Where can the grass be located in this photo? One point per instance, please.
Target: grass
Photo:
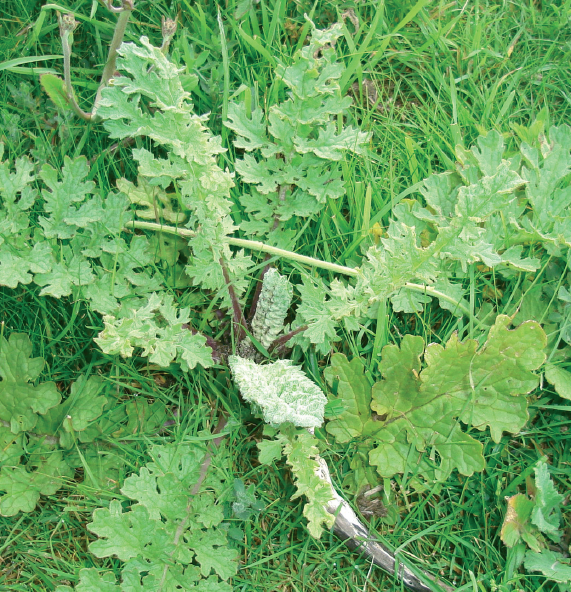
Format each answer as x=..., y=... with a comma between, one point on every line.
x=425, y=76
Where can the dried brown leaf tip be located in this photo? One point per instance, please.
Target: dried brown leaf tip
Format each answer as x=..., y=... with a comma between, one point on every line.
x=350, y=15
x=368, y=93
x=293, y=30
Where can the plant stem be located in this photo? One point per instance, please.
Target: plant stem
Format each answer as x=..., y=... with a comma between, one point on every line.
x=258, y=291
x=437, y=294
x=67, y=24
x=238, y=314
x=258, y=246
x=281, y=341
x=168, y=27
x=253, y=245
x=118, y=34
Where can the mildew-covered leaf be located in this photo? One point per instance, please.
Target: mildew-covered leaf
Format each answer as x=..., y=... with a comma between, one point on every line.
x=280, y=390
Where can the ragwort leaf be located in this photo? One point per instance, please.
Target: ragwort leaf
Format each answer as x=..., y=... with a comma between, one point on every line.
x=128, y=534
x=421, y=412
x=212, y=554
x=270, y=450
x=84, y=403
x=481, y=388
x=61, y=195
x=354, y=393
x=22, y=488
x=252, y=131
x=21, y=401
x=157, y=328
x=552, y=565
x=173, y=525
x=83, y=406
x=321, y=328
x=60, y=280
x=90, y=580
x=546, y=514
x=560, y=379
x=281, y=390
x=330, y=145
x=11, y=448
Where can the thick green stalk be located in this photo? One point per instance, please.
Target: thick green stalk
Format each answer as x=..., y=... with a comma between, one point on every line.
x=67, y=24
x=258, y=246
x=252, y=245
x=118, y=34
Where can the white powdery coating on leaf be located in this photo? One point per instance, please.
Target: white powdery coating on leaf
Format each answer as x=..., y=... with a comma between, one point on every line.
x=273, y=304
x=281, y=390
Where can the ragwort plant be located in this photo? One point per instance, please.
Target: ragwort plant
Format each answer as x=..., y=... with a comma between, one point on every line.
x=488, y=211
